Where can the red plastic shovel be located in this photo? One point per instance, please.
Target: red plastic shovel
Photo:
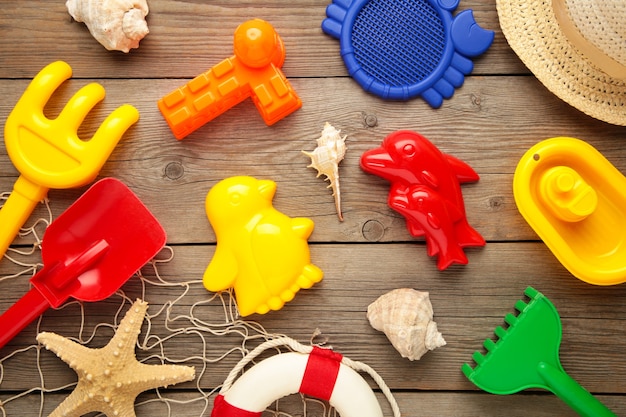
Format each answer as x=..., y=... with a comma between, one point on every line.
x=88, y=252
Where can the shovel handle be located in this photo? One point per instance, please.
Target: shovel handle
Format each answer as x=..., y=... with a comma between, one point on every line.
x=17, y=209
x=21, y=314
x=570, y=391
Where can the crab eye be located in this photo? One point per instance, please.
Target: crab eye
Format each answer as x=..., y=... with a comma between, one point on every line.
x=409, y=150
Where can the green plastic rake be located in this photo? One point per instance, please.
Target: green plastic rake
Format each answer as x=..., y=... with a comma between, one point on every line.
x=527, y=356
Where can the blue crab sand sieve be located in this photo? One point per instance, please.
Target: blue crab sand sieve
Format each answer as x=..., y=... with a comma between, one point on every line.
x=398, y=42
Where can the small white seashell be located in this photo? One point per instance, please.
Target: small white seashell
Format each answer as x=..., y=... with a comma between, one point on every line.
x=331, y=149
x=405, y=316
x=117, y=24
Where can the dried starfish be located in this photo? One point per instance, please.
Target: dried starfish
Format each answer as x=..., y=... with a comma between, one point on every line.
x=331, y=149
x=110, y=378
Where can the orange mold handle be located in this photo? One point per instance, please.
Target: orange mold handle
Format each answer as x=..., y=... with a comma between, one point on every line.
x=575, y=200
x=254, y=71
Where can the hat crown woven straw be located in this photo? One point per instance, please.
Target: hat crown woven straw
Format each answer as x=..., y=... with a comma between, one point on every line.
x=575, y=48
x=597, y=28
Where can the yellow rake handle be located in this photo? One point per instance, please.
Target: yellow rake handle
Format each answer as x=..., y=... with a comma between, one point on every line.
x=48, y=152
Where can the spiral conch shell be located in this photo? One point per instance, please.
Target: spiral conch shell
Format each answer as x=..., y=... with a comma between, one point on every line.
x=331, y=149
x=405, y=316
x=117, y=24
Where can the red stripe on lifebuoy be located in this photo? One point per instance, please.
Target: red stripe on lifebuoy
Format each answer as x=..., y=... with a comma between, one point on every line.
x=320, y=374
x=222, y=408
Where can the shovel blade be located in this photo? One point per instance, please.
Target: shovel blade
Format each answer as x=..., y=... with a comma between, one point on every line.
x=98, y=243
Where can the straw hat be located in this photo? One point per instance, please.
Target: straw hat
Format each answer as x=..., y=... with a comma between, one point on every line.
x=576, y=48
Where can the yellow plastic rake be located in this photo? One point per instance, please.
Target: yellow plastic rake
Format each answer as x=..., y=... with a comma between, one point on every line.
x=48, y=152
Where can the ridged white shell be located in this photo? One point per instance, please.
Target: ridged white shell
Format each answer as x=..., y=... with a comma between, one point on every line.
x=405, y=316
x=331, y=149
x=117, y=24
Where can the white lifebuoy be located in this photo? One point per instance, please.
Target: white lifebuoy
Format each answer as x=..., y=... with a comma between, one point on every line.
x=319, y=373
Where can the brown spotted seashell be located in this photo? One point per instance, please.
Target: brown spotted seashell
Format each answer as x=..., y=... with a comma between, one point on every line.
x=405, y=316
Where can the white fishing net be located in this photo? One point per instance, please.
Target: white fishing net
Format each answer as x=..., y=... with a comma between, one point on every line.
x=175, y=323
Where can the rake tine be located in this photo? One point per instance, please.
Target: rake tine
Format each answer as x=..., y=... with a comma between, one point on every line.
x=112, y=129
x=77, y=108
x=44, y=85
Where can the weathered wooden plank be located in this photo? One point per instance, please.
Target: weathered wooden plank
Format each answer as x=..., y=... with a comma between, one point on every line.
x=443, y=404
x=469, y=302
x=490, y=122
x=172, y=177
x=180, y=208
x=188, y=37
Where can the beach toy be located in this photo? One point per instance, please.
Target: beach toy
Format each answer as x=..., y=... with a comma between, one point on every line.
x=88, y=253
x=401, y=49
x=527, y=356
x=261, y=253
x=425, y=189
x=47, y=152
x=254, y=71
x=575, y=200
x=310, y=370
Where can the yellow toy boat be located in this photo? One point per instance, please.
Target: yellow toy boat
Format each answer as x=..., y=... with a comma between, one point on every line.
x=575, y=200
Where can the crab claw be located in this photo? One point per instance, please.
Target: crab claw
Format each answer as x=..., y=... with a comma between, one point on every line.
x=468, y=37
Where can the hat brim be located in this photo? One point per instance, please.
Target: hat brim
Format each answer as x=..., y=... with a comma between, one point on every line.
x=531, y=29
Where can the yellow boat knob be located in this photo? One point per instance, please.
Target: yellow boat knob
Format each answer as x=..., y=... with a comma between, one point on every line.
x=567, y=194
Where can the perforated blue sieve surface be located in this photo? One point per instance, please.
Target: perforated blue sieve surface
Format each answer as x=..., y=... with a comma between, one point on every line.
x=400, y=49
x=398, y=43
